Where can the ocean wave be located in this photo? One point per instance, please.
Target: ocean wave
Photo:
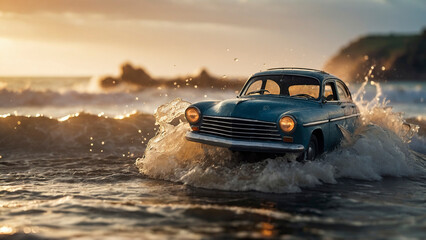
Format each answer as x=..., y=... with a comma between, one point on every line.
x=28, y=97
x=378, y=148
x=409, y=93
x=148, y=99
x=81, y=133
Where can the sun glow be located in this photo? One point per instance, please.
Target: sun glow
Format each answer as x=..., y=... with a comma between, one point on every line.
x=120, y=117
x=64, y=118
x=7, y=230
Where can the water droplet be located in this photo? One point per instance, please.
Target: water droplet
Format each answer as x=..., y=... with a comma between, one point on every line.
x=175, y=83
x=205, y=96
x=103, y=143
x=236, y=60
x=195, y=86
x=136, y=98
x=91, y=144
x=383, y=68
x=19, y=123
x=27, y=230
x=91, y=138
x=139, y=131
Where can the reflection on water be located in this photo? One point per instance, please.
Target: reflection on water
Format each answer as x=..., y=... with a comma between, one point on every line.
x=73, y=176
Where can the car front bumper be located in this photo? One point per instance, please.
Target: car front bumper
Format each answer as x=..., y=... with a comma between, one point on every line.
x=243, y=145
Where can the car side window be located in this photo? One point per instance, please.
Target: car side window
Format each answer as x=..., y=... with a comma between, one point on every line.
x=272, y=87
x=329, y=93
x=343, y=94
x=256, y=86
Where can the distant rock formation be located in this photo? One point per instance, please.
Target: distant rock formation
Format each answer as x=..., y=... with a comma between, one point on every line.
x=139, y=78
x=395, y=57
x=129, y=74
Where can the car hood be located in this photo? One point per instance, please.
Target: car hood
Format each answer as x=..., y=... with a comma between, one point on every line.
x=259, y=108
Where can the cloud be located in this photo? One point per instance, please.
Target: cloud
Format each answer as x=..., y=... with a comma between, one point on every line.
x=276, y=32
x=265, y=14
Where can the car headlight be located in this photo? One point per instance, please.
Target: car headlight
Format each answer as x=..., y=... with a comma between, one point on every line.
x=287, y=124
x=192, y=114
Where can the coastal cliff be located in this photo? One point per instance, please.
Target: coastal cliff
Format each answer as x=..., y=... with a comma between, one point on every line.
x=394, y=57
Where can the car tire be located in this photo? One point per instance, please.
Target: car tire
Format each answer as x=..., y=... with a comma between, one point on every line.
x=311, y=152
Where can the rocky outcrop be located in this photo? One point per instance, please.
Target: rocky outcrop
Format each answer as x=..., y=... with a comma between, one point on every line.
x=138, y=78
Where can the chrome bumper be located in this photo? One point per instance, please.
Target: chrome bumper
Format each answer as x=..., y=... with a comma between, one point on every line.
x=242, y=145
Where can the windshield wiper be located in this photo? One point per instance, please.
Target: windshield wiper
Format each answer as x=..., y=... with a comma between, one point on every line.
x=258, y=91
x=303, y=95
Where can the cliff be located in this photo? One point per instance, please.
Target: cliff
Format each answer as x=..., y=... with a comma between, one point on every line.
x=395, y=57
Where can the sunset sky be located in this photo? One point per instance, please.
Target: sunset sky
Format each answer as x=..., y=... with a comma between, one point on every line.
x=169, y=37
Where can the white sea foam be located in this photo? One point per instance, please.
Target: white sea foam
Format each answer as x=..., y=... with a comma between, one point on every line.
x=378, y=148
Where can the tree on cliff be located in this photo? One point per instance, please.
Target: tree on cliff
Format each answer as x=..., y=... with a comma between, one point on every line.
x=399, y=57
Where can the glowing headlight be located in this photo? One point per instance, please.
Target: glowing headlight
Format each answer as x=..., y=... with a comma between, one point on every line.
x=192, y=114
x=287, y=124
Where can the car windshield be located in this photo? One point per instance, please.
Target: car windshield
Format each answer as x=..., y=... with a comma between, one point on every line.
x=287, y=85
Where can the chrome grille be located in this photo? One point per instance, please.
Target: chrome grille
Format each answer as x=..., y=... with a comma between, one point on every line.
x=240, y=128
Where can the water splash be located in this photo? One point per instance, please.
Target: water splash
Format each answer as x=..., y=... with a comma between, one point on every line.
x=378, y=148
x=379, y=113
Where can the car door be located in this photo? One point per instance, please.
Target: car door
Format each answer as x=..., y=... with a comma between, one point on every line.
x=336, y=113
x=348, y=105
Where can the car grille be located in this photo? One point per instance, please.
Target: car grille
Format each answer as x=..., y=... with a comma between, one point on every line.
x=240, y=128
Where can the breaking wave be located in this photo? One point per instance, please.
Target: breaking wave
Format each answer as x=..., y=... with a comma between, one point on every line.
x=78, y=133
x=378, y=148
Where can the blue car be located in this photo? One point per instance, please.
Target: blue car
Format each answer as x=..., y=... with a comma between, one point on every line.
x=281, y=110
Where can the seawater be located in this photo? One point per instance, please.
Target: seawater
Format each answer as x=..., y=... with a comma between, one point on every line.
x=80, y=163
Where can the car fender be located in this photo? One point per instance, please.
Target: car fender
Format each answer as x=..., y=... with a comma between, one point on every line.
x=302, y=134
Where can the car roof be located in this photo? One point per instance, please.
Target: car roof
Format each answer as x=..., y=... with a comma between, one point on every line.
x=308, y=72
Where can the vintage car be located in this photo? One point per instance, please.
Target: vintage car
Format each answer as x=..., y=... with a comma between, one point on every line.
x=280, y=110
